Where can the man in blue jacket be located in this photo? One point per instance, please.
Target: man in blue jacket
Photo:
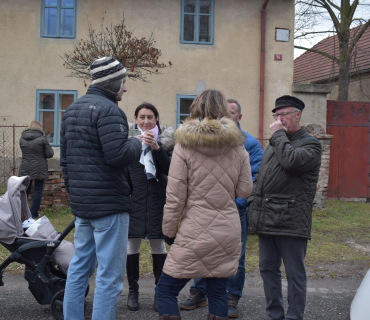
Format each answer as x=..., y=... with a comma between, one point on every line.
x=94, y=155
x=235, y=284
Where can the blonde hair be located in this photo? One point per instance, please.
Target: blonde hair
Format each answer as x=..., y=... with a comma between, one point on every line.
x=210, y=104
x=35, y=125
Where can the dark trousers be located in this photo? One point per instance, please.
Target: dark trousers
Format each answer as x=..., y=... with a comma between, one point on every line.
x=292, y=250
x=168, y=289
x=37, y=194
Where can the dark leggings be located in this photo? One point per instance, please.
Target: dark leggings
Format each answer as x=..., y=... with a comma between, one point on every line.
x=37, y=194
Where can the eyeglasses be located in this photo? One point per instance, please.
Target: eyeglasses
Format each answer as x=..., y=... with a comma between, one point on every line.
x=282, y=115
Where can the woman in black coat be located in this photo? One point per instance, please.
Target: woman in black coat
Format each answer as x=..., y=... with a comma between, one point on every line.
x=35, y=149
x=149, y=181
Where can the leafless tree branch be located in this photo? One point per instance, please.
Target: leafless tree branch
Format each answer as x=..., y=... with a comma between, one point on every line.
x=139, y=56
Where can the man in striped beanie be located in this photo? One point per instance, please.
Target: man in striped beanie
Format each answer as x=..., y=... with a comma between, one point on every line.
x=95, y=153
x=108, y=73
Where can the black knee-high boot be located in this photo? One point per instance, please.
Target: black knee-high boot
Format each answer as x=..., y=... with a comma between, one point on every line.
x=132, y=268
x=158, y=262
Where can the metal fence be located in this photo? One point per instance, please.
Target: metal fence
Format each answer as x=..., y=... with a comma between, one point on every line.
x=10, y=152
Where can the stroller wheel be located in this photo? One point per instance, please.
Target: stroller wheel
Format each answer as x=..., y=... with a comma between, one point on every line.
x=56, y=305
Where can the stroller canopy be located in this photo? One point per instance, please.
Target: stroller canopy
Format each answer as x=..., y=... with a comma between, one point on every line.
x=14, y=209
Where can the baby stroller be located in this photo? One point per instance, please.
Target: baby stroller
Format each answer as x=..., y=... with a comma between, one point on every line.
x=44, y=271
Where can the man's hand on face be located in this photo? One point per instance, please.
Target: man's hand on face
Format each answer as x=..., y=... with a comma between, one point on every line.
x=275, y=126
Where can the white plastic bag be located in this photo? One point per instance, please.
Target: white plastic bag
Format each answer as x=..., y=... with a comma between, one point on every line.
x=42, y=229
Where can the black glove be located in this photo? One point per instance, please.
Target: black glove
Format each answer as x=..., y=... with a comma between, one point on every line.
x=169, y=241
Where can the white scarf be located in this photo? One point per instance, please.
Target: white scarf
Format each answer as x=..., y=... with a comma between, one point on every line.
x=146, y=158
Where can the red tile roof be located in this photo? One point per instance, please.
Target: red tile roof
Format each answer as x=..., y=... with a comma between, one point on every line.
x=313, y=67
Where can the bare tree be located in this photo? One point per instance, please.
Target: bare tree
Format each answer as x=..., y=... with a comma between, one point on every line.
x=139, y=56
x=343, y=16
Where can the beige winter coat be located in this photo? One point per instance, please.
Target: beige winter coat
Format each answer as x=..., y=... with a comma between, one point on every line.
x=209, y=169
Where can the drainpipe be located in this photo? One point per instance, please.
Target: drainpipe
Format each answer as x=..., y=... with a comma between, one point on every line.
x=262, y=71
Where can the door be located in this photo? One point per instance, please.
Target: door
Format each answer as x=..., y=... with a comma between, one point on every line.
x=349, y=168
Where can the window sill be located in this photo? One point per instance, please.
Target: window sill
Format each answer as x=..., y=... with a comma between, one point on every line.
x=198, y=43
x=55, y=37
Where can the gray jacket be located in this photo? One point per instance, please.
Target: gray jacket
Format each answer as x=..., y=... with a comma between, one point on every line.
x=285, y=186
x=35, y=149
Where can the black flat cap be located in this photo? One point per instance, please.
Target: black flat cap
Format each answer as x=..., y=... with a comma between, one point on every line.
x=288, y=101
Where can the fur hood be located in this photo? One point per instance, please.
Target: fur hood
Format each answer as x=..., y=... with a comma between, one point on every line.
x=27, y=129
x=166, y=137
x=30, y=133
x=209, y=134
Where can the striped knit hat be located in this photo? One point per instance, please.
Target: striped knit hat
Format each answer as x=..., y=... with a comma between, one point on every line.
x=106, y=70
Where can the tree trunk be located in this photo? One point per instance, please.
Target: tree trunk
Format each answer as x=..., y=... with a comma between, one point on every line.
x=344, y=79
x=344, y=64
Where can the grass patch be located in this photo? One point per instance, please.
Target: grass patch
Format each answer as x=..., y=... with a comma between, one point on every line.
x=340, y=244
x=2, y=189
x=340, y=239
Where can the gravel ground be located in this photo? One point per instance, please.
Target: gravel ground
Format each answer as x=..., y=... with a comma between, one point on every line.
x=327, y=299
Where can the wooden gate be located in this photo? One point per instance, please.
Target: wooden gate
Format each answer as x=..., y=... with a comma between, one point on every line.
x=349, y=168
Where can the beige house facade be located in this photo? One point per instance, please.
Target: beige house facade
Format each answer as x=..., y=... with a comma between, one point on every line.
x=35, y=33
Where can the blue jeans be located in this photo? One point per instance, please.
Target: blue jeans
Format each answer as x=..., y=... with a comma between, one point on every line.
x=103, y=240
x=235, y=284
x=168, y=289
x=37, y=195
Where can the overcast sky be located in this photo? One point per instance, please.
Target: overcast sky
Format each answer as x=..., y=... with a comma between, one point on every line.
x=362, y=11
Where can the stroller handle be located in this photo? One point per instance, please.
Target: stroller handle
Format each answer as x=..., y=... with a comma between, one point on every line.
x=67, y=230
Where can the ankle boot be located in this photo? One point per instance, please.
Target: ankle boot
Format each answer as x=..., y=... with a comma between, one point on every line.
x=158, y=262
x=132, y=268
x=168, y=317
x=212, y=317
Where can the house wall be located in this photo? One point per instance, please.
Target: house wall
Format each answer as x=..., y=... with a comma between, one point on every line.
x=314, y=97
x=359, y=89
x=29, y=62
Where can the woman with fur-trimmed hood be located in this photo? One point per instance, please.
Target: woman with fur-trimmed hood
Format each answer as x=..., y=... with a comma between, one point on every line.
x=209, y=169
x=35, y=150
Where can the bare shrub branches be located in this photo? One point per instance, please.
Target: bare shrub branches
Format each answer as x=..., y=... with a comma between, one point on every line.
x=139, y=56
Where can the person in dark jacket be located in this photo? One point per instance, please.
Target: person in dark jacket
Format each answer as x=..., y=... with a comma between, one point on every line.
x=235, y=284
x=95, y=153
x=148, y=198
x=280, y=209
x=35, y=150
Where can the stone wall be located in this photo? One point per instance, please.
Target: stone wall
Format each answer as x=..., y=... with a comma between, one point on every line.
x=322, y=185
x=54, y=192
x=314, y=97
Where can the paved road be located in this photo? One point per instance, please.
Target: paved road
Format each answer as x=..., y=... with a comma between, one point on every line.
x=327, y=299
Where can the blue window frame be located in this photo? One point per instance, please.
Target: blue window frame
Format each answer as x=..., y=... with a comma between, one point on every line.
x=58, y=19
x=50, y=107
x=197, y=21
x=183, y=104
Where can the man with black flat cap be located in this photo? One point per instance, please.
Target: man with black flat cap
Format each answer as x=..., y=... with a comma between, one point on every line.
x=280, y=207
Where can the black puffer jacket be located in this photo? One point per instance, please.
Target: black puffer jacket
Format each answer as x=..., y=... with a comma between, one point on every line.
x=35, y=149
x=285, y=186
x=149, y=196
x=95, y=153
